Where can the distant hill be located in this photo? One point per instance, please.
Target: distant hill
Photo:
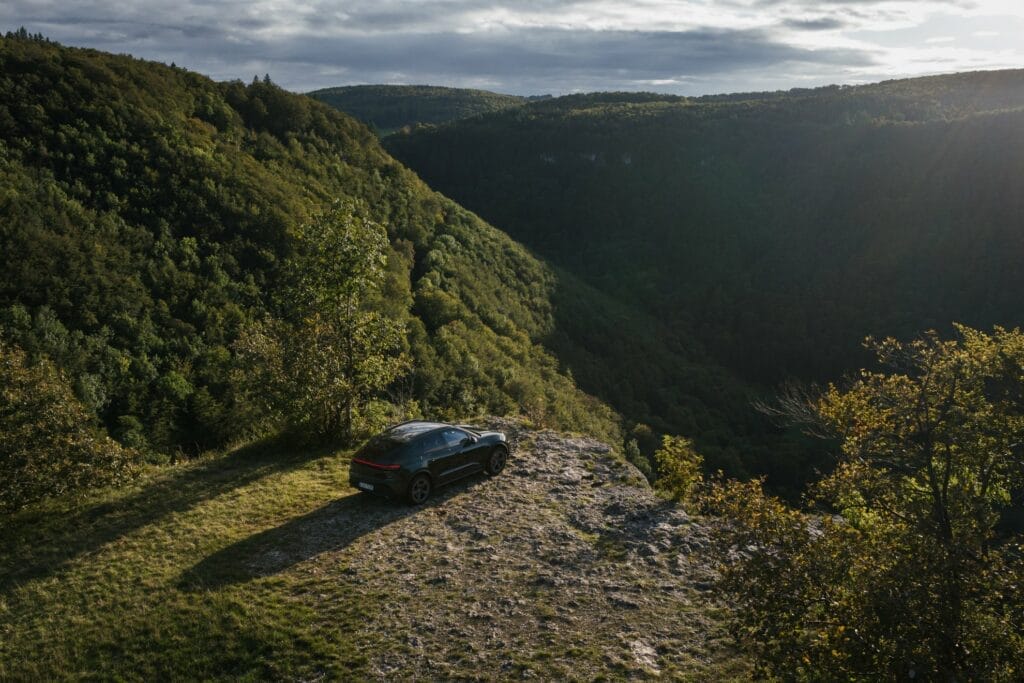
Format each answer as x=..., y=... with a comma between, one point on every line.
x=388, y=108
x=776, y=230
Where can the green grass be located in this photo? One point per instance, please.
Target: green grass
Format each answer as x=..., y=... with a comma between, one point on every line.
x=182, y=576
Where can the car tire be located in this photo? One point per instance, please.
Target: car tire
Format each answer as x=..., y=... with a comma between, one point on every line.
x=420, y=489
x=496, y=460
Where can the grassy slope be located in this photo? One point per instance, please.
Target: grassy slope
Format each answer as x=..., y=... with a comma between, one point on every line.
x=261, y=563
x=95, y=587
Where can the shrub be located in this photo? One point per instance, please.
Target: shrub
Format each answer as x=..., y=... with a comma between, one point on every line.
x=49, y=442
x=679, y=467
x=911, y=575
x=633, y=455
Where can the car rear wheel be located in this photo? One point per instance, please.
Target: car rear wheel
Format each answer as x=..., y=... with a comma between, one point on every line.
x=419, y=489
x=496, y=461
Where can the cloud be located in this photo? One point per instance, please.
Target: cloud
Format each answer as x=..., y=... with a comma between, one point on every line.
x=865, y=3
x=520, y=46
x=647, y=54
x=433, y=16
x=533, y=60
x=819, y=24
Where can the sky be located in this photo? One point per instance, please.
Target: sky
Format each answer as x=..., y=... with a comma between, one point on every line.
x=529, y=47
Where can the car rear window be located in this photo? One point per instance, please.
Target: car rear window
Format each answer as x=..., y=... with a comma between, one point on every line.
x=379, y=446
x=410, y=430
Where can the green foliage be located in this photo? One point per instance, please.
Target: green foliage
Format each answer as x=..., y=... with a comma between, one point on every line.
x=913, y=577
x=763, y=234
x=679, y=467
x=632, y=452
x=149, y=221
x=319, y=371
x=388, y=108
x=49, y=444
x=339, y=259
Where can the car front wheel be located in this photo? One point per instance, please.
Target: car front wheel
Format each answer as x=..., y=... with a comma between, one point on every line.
x=419, y=489
x=496, y=461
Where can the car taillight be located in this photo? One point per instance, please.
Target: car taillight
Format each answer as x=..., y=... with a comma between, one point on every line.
x=375, y=465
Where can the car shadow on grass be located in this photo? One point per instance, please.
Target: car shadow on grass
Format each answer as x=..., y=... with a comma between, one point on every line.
x=41, y=542
x=330, y=528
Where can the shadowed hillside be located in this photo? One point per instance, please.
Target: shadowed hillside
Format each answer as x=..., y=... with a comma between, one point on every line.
x=773, y=229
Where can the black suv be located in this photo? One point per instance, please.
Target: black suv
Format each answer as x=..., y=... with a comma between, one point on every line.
x=411, y=459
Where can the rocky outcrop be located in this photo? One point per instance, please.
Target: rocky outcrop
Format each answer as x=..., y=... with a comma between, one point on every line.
x=566, y=565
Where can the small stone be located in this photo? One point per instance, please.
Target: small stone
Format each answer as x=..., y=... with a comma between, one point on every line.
x=620, y=600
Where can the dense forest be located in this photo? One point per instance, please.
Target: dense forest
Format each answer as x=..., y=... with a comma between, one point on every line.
x=150, y=221
x=388, y=108
x=774, y=230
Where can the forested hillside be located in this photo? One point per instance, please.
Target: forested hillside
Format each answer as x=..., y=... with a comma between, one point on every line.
x=775, y=229
x=388, y=108
x=150, y=218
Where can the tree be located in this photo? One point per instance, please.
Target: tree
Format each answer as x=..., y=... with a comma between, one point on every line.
x=632, y=452
x=679, y=467
x=49, y=442
x=903, y=570
x=315, y=372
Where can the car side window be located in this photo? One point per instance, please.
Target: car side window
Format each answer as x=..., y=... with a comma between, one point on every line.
x=432, y=442
x=453, y=437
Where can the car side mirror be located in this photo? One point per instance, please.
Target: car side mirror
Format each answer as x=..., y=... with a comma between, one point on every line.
x=469, y=440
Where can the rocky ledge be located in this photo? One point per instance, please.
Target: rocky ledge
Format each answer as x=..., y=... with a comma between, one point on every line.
x=567, y=565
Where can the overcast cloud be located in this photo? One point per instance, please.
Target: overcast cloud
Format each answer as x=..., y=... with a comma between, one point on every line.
x=546, y=46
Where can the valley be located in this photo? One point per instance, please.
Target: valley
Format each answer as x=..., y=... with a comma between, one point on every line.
x=772, y=232
x=758, y=356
